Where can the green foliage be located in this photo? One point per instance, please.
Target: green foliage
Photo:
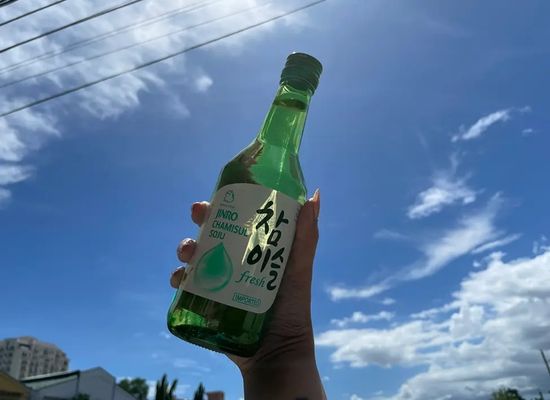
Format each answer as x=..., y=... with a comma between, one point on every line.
x=164, y=391
x=81, y=396
x=199, y=393
x=506, y=394
x=137, y=387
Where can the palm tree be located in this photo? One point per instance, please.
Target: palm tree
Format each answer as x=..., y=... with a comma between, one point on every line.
x=164, y=391
x=199, y=393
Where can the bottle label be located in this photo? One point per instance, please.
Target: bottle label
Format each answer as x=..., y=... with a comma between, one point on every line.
x=243, y=247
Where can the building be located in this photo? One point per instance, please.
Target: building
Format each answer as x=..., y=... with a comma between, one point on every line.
x=26, y=356
x=219, y=395
x=97, y=383
x=12, y=389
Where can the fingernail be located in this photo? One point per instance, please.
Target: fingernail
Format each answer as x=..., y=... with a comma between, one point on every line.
x=316, y=203
x=182, y=246
x=194, y=207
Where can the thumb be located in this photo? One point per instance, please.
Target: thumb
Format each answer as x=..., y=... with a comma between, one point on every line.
x=300, y=263
x=307, y=232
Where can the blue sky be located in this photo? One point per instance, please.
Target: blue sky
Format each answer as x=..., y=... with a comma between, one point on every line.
x=428, y=137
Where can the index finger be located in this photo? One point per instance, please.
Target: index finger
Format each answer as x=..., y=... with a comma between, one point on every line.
x=199, y=212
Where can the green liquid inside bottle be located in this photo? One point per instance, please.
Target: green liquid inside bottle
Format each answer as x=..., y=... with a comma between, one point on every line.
x=270, y=163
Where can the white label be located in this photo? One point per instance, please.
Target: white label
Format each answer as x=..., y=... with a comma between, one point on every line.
x=243, y=247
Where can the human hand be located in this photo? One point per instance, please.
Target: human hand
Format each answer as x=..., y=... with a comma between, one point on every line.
x=285, y=363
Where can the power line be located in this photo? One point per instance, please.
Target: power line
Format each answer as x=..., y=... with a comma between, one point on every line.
x=158, y=60
x=131, y=45
x=6, y=2
x=79, y=21
x=30, y=12
x=85, y=42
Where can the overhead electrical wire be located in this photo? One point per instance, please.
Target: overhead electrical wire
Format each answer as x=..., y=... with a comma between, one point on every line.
x=30, y=12
x=136, y=44
x=85, y=42
x=6, y=2
x=158, y=60
x=63, y=27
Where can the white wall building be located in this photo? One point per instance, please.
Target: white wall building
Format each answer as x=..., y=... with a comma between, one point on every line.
x=26, y=356
x=97, y=383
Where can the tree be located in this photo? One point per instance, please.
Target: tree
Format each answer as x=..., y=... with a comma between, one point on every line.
x=199, y=393
x=164, y=391
x=137, y=387
x=506, y=394
x=81, y=396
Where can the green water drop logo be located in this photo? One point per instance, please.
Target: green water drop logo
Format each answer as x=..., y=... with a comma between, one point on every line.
x=214, y=269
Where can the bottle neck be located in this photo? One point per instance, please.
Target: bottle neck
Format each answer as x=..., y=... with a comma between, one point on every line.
x=284, y=124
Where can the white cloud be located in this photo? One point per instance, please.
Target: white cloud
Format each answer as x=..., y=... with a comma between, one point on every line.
x=13, y=173
x=541, y=245
x=359, y=317
x=355, y=397
x=5, y=196
x=467, y=322
x=340, y=293
x=388, y=301
x=402, y=345
x=26, y=131
x=527, y=131
x=152, y=389
x=165, y=335
x=177, y=107
x=433, y=312
x=12, y=147
x=390, y=235
x=496, y=243
x=484, y=123
x=202, y=83
x=446, y=190
x=471, y=232
x=188, y=363
x=486, y=337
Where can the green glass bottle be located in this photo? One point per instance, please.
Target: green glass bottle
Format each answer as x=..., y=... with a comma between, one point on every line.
x=225, y=298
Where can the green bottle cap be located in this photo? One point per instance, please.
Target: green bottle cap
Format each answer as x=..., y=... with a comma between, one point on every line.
x=302, y=72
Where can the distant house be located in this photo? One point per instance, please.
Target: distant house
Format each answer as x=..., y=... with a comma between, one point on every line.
x=97, y=383
x=12, y=389
x=218, y=395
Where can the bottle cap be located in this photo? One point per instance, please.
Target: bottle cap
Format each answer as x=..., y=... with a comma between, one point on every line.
x=302, y=72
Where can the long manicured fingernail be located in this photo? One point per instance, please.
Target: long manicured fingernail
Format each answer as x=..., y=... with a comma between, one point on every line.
x=316, y=203
x=187, y=242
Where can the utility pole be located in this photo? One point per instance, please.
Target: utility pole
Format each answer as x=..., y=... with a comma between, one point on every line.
x=545, y=361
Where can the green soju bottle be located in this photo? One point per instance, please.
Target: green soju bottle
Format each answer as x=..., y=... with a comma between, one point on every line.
x=229, y=287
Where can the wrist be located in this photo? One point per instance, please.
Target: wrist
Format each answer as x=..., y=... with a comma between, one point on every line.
x=286, y=373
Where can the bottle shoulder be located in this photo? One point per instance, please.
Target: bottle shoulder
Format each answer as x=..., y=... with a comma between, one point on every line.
x=268, y=166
